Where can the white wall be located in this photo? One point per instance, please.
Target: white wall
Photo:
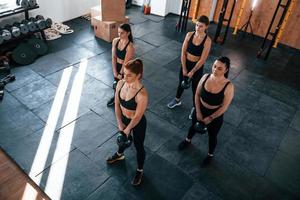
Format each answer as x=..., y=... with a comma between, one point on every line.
x=63, y=10
x=174, y=6
x=159, y=7
x=164, y=7
x=138, y=2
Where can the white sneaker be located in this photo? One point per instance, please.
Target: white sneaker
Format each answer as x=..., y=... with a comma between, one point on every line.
x=191, y=113
x=174, y=103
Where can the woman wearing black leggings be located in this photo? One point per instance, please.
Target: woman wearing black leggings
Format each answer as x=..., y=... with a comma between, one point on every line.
x=195, y=50
x=122, y=51
x=131, y=101
x=213, y=97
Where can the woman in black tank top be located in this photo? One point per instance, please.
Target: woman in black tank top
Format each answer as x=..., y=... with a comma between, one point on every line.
x=122, y=51
x=195, y=50
x=213, y=97
x=131, y=101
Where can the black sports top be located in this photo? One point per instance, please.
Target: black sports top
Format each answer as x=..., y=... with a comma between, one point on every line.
x=130, y=104
x=121, y=53
x=214, y=99
x=196, y=50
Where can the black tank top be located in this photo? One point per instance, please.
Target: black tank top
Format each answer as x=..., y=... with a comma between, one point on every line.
x=121, y=53
x=213, y=99
x=194, y=49
x=130, y=104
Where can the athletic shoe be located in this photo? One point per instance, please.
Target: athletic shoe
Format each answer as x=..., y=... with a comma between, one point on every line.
x=115, y=158
x=207, y=160
x=174, y=103
x=183, y=145
x=111, y=102
x=191, y=113
x=137, y=179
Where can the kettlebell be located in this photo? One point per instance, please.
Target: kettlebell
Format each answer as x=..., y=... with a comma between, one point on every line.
x=123, y=141
x=115, y=85
x=186, y=83
x=200, y=128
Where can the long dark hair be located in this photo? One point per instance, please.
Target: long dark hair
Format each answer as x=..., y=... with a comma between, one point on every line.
x=203, y=19
x=226, y=61
x=127, y=28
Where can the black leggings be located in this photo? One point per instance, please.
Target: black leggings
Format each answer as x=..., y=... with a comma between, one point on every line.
x=119, y=67
x=139, y=132
x=213, y=127
x=195, y=79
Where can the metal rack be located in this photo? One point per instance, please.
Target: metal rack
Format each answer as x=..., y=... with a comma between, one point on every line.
x=277, y=29
x=218, y=37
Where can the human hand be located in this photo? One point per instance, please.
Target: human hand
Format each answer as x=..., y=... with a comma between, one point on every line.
x=190, y=74
x=207, y=120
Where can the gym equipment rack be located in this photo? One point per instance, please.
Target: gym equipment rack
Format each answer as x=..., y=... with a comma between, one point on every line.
x=278, y=29
x=218, y=38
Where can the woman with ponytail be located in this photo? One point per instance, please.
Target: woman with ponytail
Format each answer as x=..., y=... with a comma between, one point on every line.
x=213, y=97
x=122, y=51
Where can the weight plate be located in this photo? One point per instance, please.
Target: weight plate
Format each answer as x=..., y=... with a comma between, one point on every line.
x=38, y=46
x=23, y=54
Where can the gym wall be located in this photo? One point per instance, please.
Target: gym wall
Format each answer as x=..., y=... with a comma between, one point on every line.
x=262, y=15
x=61, y=11
x=261, y=18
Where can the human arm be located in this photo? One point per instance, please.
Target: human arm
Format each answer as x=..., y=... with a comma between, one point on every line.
x=114, y=57
x=183, y=53
x=197, y=98
x=118, y=111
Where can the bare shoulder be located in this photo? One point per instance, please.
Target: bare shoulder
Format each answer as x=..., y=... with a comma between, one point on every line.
x=229, y=88
x=143, y=94
x=131, y=46
x=208, y=40
x=119, y=85
x=115, y=40
x=189, y=34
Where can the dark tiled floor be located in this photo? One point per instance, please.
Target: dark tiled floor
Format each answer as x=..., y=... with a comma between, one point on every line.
x=56, y=126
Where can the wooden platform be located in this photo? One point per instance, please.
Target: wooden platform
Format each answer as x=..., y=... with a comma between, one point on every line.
x=13, y=182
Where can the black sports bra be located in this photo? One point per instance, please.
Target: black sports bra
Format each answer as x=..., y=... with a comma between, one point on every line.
x=131, y=103
x=196, y=50
x=214, y=99
x=121, y=53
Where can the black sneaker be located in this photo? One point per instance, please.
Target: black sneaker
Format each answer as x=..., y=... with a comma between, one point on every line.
x=207, y=160
x=111, y=102
x=183, y=145
x=115, y=158
x=137, y=179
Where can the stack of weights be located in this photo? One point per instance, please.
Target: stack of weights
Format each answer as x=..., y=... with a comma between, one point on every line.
x=26, y=4
x=26, y=52
x=107, y=17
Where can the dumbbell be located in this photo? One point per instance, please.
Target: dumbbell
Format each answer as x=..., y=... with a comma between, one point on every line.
x=31, y=25
x=123, y=141
x=15, y=31
x=186, y=83
x=48, y=20
x=200, y=128
x=41, y=23
x=1, y=95
x=23, y=27
x=115, y=85
x=6, y=34
x=4, y=67
x=26, y=3
x=1, y=38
